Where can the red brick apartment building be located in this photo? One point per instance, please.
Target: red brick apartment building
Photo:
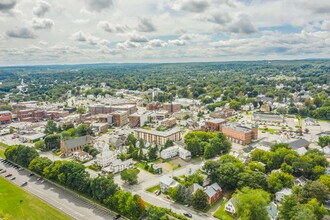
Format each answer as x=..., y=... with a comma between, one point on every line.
x=30, y=115
x=240, y=134
x=214, y=124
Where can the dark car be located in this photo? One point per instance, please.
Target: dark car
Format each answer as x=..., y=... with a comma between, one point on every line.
x=13, y=178
x=116, y=217
x=187, y=214
x=24, y=184
x=158, y=192
x=8, y=175
x=31, y=174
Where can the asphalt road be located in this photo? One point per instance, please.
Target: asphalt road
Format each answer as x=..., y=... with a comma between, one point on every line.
x=69, y=203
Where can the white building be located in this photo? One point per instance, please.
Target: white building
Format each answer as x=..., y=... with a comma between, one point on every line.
x=81, y=156
x=175, y=151
x=167, y=182
x=284, y=192
x=231, y=206
x=99, y=145
x=106, y=157
x=118, y=165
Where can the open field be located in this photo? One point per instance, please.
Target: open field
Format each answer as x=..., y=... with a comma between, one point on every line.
x=2, y=153
x=30, y=208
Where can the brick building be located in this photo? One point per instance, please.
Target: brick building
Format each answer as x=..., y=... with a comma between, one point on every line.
x=103, y=109
x=214, y=124
x=137, y=119
x=120, y=118
x=158, y=137
x=224, y=113
x=30, y=115
x=172, y=107
x=5, y=117
x=168, y=122
x=154, y=106
x=240, y=134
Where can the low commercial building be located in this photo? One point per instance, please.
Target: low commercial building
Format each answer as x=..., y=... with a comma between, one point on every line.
x=168, y=122
x=268, y=118
x=158, y=137
x=100, y=127
x=240, y=134
x=32, y=138
x=5, y=117
x=75, y=144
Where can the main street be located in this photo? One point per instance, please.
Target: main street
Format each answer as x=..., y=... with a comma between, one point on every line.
x=69, y=203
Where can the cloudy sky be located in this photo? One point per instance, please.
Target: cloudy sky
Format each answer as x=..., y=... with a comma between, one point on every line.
x=94, y=31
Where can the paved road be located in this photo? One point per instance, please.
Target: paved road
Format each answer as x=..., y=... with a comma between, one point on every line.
x=67, y=202
x=160, y=201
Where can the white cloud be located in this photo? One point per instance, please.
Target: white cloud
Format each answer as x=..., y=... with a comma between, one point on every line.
x=128, y=45
x=7, y=5
x=177, y=42
x=81, y=36
x=24, y=33
x=190, y=5
x=41, y=8
x=145, y=25
x=99, y=5
x=135, y=37
x=157, y=43
x=43, y=23
x=113, y=28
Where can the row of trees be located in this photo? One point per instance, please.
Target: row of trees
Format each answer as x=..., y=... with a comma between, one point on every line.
x=74, y=176
x=206, y=144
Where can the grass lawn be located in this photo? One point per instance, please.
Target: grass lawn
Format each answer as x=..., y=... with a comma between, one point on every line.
x=174, y=167
x=30, y=208
x=221, y=213
x=4, y=145
x=2, y=153
x=153, y=189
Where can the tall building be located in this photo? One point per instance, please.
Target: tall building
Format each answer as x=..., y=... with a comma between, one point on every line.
x=172, y=107
x=120, y=118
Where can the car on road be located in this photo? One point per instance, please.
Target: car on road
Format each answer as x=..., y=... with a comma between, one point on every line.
x=42, y=181
x=157, y=192
x=3, y=171
x=8, y=175
x=13, y=178
x=24, y=184
x=40, y=178
x=31, y=174
x=20, y=169
x=187, y=214
x=116, y=217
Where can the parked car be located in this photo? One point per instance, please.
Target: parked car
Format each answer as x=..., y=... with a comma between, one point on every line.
x=13, y=178
x=3, y=171
x=8, y=175
x=158, y=192
x=31, y=174
x=187, y=214
x=20, y=169
x=116, y=217
x=24, y=184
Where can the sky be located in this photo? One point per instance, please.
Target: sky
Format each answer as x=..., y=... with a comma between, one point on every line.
x=150, y=31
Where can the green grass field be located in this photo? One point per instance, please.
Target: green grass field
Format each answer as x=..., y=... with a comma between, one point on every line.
x=2, y=154
x=30, y=208
x=153, y=189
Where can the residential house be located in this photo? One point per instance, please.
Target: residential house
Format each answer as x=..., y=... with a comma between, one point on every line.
x=82, y=156
x=231, y=205
x=213, y=192
x=284, y=192
x=184, y=154
x=326, y=150
x=299, y=146
x=300, y=181
x=118, y=165
x=167, y=182
x=175, y=151
x=272, y=211
x=75, y=144
x=194, y=187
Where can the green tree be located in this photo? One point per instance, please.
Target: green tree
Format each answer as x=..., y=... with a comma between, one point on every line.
x=51, y=127
x=325, y=179
x=228, y=175
x=152, y=153
x=324, y=141
x=156, y=213
x=199, y=199
x=38, y=164
x=130, y=176
x=83, y=130
x=252, y=179
x=21, y=154
x=287, y=210
x=256, y=166
x=131, y=140
x=52, y=141
x=279, y=180
x=302, y=212
x=314, y=189
x=40, y=145
x=102, y=187
x=248, y=210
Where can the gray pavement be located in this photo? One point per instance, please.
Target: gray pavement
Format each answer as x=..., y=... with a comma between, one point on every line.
x=67, y=202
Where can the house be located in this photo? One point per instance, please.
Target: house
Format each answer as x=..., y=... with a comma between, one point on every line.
x=295, y=145
x=213, y=192
x=300, y=181
x=301, y=151
x=167, y=182
x=272, y=211
x=184, y=154
x=284, y=192
x=194, y=187
x=75, y=144
x=326, y=150
x=327, y=170
x=118, y=165
x=169, y=152
x=231, y=205
x=81, y=156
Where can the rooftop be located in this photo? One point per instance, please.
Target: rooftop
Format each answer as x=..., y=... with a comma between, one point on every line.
x=160, y=133
x=237, y=127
